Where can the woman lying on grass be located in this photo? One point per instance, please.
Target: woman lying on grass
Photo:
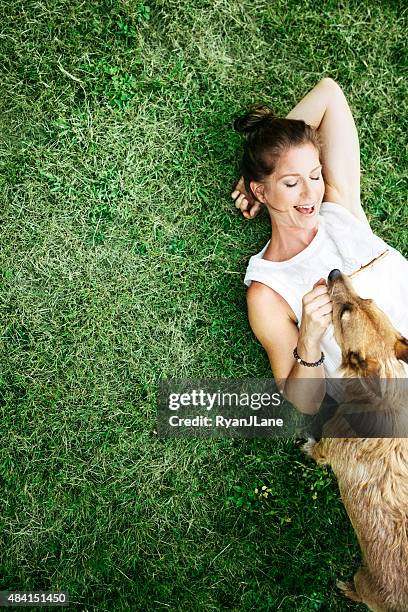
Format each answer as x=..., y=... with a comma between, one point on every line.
x=305, y=169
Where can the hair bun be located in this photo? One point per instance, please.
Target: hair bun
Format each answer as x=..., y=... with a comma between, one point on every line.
x=256, y=116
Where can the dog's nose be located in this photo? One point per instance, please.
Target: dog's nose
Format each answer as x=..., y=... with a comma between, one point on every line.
x=334, y=274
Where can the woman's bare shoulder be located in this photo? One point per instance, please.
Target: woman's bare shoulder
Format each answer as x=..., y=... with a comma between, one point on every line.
x=274, y=324
x=262, y=299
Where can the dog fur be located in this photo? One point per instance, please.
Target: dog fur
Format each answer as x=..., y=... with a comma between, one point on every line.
x=372, y=472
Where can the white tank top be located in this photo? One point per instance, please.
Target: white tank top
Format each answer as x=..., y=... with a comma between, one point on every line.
x=344, y=242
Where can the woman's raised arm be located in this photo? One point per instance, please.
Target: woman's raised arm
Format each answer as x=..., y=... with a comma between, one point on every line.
x=325, y=107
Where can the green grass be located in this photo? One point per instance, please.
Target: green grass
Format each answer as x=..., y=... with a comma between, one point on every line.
x=121, y=262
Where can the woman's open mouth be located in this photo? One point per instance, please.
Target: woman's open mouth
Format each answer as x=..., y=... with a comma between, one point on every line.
x=305, y=210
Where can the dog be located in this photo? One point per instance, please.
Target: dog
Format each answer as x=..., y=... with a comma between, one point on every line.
x=372, y=472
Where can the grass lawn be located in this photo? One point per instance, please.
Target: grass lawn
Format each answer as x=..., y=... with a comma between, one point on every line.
x=122, y=260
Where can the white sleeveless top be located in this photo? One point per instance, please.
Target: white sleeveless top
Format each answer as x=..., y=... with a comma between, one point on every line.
x=343, y=242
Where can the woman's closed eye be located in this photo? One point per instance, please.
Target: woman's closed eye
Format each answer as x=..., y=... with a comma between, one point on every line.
x=314, y=178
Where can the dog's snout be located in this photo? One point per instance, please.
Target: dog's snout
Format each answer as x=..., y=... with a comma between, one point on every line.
x=334, y=274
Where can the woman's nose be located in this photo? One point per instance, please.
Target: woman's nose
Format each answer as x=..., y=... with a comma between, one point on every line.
x=307, y=191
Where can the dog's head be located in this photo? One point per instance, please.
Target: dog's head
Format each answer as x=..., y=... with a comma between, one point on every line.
x=369, y=343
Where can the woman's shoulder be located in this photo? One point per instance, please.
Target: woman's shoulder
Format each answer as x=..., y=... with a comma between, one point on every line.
x=259, y=292
x=263, y=299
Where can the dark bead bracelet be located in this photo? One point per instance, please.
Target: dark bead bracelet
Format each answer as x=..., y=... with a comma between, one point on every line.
x=306, y=363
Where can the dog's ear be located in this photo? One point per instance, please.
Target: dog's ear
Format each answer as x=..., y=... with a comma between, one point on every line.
x=362, y=367
x=401, y=349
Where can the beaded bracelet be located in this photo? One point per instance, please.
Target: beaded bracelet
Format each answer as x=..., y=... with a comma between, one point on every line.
x=306, y=363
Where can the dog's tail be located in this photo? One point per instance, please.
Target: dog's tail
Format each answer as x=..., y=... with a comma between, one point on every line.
x=349, y=590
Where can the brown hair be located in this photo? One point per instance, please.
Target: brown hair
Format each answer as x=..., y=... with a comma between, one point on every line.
x=266, y=138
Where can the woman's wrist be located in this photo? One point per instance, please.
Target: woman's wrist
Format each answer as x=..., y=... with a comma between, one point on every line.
x=308, y=364
x=309, y=350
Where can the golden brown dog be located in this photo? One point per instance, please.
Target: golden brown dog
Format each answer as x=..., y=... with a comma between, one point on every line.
x=372, y=472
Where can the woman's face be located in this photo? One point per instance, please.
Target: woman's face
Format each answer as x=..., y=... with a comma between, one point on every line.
x=294, y=192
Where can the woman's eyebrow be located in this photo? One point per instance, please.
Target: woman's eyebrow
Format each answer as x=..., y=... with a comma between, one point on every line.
x=296, y=174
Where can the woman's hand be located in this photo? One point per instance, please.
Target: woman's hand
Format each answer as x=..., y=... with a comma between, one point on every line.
x=316, y=317
x=244, y=201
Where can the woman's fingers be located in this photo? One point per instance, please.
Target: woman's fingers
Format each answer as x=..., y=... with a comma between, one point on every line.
x=242, y=202
x=249, y=211
x=320, y=301
x=247, y=205
x=240, y=186
x=248, y=208
x=316, y=309
x=255, y=208
x=326, y=309
x=317, y=304
x=315, y=293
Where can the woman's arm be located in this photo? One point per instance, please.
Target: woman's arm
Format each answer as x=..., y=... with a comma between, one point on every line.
x=325, y=108
x=273, y=323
